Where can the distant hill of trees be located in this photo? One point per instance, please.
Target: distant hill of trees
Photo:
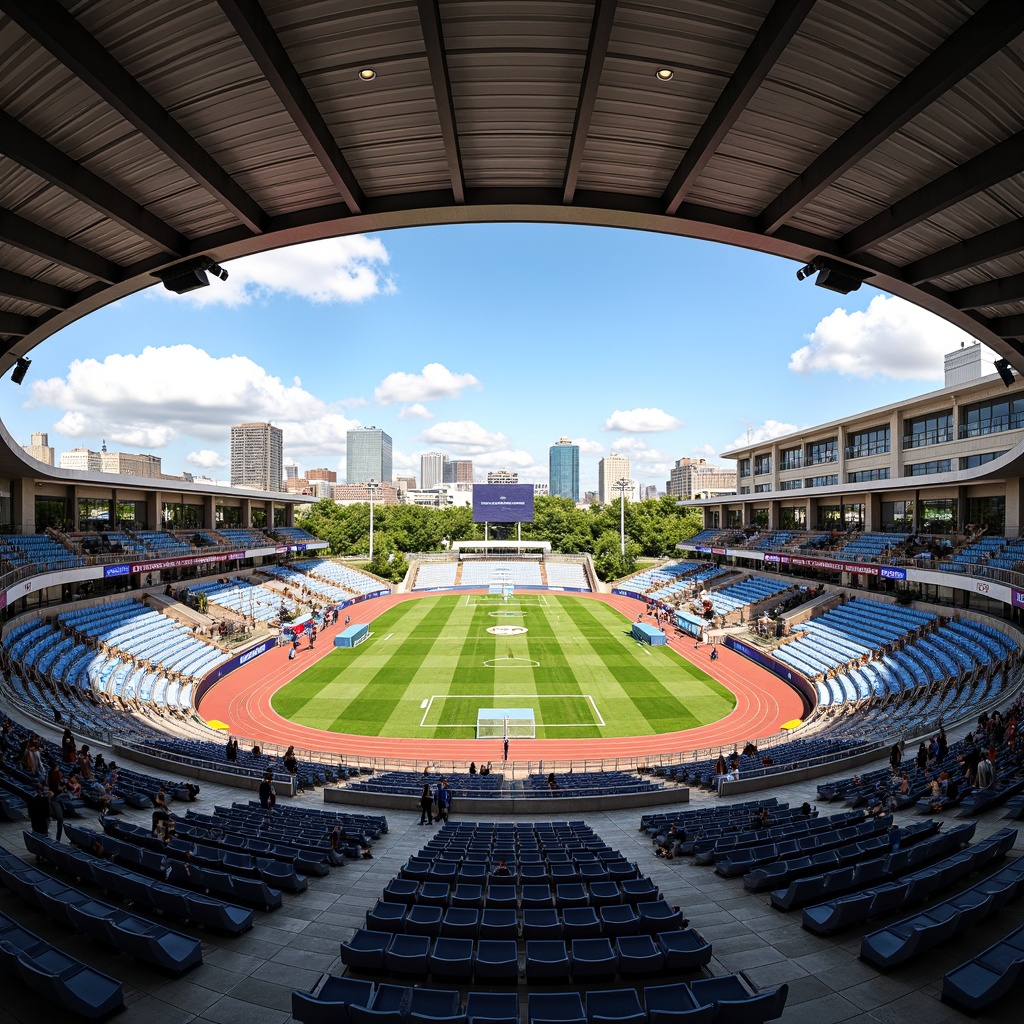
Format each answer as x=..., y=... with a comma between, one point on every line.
x=653, y=529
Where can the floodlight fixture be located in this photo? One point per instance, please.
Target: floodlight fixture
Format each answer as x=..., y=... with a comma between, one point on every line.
x=1005, y=371
x=20, y=369
x=833, y=275
x=190, y=275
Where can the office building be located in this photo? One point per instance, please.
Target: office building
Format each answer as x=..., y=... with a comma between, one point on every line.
x=127, y=464
x=564, y=470
x=328, y=475
x=432, y=470
x=80, y=458
x=354, y=494
x=257, y=456
x=291, y=471
x=695, y=478
x=540, y=490
x=458, y=471
x=367, y=456
x=40, y=448
x=610, y=470
x=502, y=476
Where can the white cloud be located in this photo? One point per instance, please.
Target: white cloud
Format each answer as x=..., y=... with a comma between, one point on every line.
x=644, y=461
x=187, y=392
x=208, y=459
x=434, y=381
x=641, y=421
x=891, y=338
x=415, y=411
x=348, y=269
x=589, y=447
x=465, y=437
x=768, y=431
x=703, y=451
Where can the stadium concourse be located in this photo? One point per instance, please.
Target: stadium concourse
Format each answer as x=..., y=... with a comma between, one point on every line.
x=764, y=703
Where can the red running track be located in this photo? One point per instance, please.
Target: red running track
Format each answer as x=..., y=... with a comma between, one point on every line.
x=242, y=701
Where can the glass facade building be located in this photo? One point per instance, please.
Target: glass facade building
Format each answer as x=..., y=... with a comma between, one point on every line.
x=367, y=456
x=564, y=470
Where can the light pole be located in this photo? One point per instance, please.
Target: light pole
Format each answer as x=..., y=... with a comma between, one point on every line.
x=371, y=486
x=623, y=485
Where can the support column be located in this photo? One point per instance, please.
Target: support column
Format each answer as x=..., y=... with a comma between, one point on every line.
x=245, y=513
x=873, y=511
x=210, y=512
x=154, y=510
x=23, y=505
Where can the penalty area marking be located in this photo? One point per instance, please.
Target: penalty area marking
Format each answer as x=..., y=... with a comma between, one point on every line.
x=427, y=704
x=524, y=663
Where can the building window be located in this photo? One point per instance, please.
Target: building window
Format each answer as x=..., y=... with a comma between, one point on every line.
x=830, y=517
x=853, y=516
x=791, y=458
x=791, y=485
x=51, y=512
x=862, y=476
x=759, y=517
x=990, y=512
x=179, y=516
x=992, y=417
x=823, y=481
x=744, y=467
x=793, y=518
x=928, y=468
x=762, y=464
x=745, y=490
x=735, y=517
x=938, y=515
x=820, y=452
x=228, y=516
x=762, y=488
x=898, y=516
x=712, y=519
x=868, y=442
x=974, y=461
x=934, y=429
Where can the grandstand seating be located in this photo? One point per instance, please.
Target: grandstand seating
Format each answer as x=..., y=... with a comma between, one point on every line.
x=484, y=572
x=869, y=547
x=245, y=538
x=245, y=598
x=748, y=591
x=344, y=576
x=566, y=574
x=163, y=543
x=38, y=552
x=435, y=575
x=293, y=535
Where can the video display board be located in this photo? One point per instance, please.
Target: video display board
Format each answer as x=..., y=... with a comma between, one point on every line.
x=503, y=503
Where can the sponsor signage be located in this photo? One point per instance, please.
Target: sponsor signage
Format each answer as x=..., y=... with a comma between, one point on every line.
x=1017, y=597
x=116, y=570
x=3, y=600
x=503, y=503
x=861, y=568
x=719, y=551
x=892, y=572
x=177, y=563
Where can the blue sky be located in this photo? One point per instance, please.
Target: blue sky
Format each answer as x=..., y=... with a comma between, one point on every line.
x=486, y=342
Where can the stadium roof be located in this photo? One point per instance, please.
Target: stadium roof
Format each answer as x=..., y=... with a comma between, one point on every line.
x=888, y=134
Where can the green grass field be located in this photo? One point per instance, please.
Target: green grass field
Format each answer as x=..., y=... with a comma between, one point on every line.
x=430, y=664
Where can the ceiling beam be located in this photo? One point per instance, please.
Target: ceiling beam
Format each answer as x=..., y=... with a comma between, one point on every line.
x=49, y=23
x=255, y=30
x=597, y=50
x=991, y=293
x=778, y=28
x=971, y=252
x=14, y=324
x=981, y=36
x=1002, y=161
x=47, y=245
x=437, y=61
x=1008, y=326
x=28, y=289
x=37, y=155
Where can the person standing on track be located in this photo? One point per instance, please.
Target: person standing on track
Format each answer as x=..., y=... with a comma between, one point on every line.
x=505, y=748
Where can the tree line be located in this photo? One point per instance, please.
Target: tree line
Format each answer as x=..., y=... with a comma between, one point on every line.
x=653, y=529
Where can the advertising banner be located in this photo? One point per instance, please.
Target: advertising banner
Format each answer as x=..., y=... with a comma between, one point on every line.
x=177, y=563
x=1018, y=597
x=503, y=503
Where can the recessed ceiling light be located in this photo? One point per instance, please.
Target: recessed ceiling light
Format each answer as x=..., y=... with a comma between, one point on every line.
x=367, y=74
x=665, y=74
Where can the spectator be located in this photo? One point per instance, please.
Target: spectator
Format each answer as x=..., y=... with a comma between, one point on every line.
x=231, y=751
x=291, y=762
x=38, y=806
x=552, y=781
x=472, y=767
x=426, y=805
x=267, y=793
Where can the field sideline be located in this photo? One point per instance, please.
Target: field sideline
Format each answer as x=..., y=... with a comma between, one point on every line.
x=430, y=664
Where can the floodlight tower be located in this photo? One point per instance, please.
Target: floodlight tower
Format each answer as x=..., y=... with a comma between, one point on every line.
x=371, y=486
x=623, y=485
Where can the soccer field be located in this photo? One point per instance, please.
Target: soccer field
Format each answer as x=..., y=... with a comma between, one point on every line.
x=431, y=664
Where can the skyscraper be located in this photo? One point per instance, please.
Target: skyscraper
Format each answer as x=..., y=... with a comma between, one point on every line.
x=40, y=449
x=432, y=469
x=610, y=470
x=367, y=456
x=257, y=456
x=502, y=476
x=458, y=471
x=564, y=470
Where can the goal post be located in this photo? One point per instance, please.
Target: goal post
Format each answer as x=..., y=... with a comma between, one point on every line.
x=501, y=723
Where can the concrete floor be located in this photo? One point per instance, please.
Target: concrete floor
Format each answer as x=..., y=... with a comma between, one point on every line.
x=249, y=979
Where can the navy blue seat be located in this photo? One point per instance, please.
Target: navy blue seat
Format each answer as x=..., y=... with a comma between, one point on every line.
x=536, y=896
x=592, y=958
x=658, y=916
x=401, y=890
x=542, y=924
x=621, y=1005
x=497, y=960
x=580, y=923
x=407, y=954
x=330, y=1004
x=638, y=890
x=546, y=960
x=499, y=924
x=735, y=1004
x=452, y=958
x=423, y=920
x=434, y=894
x=619, y=920
x=387, y=917
x=604, y=894
x=675, y=1004
x=684, y=950
x=565, y=1007
x=492, y=1008
x=365, y=950
x=467, y=894
x=460, y=923
x=985, y=978
x=572, y=894
x=502, y=897
x=638, y=955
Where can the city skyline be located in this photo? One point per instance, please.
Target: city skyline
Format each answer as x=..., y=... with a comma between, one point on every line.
x=483, y=342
